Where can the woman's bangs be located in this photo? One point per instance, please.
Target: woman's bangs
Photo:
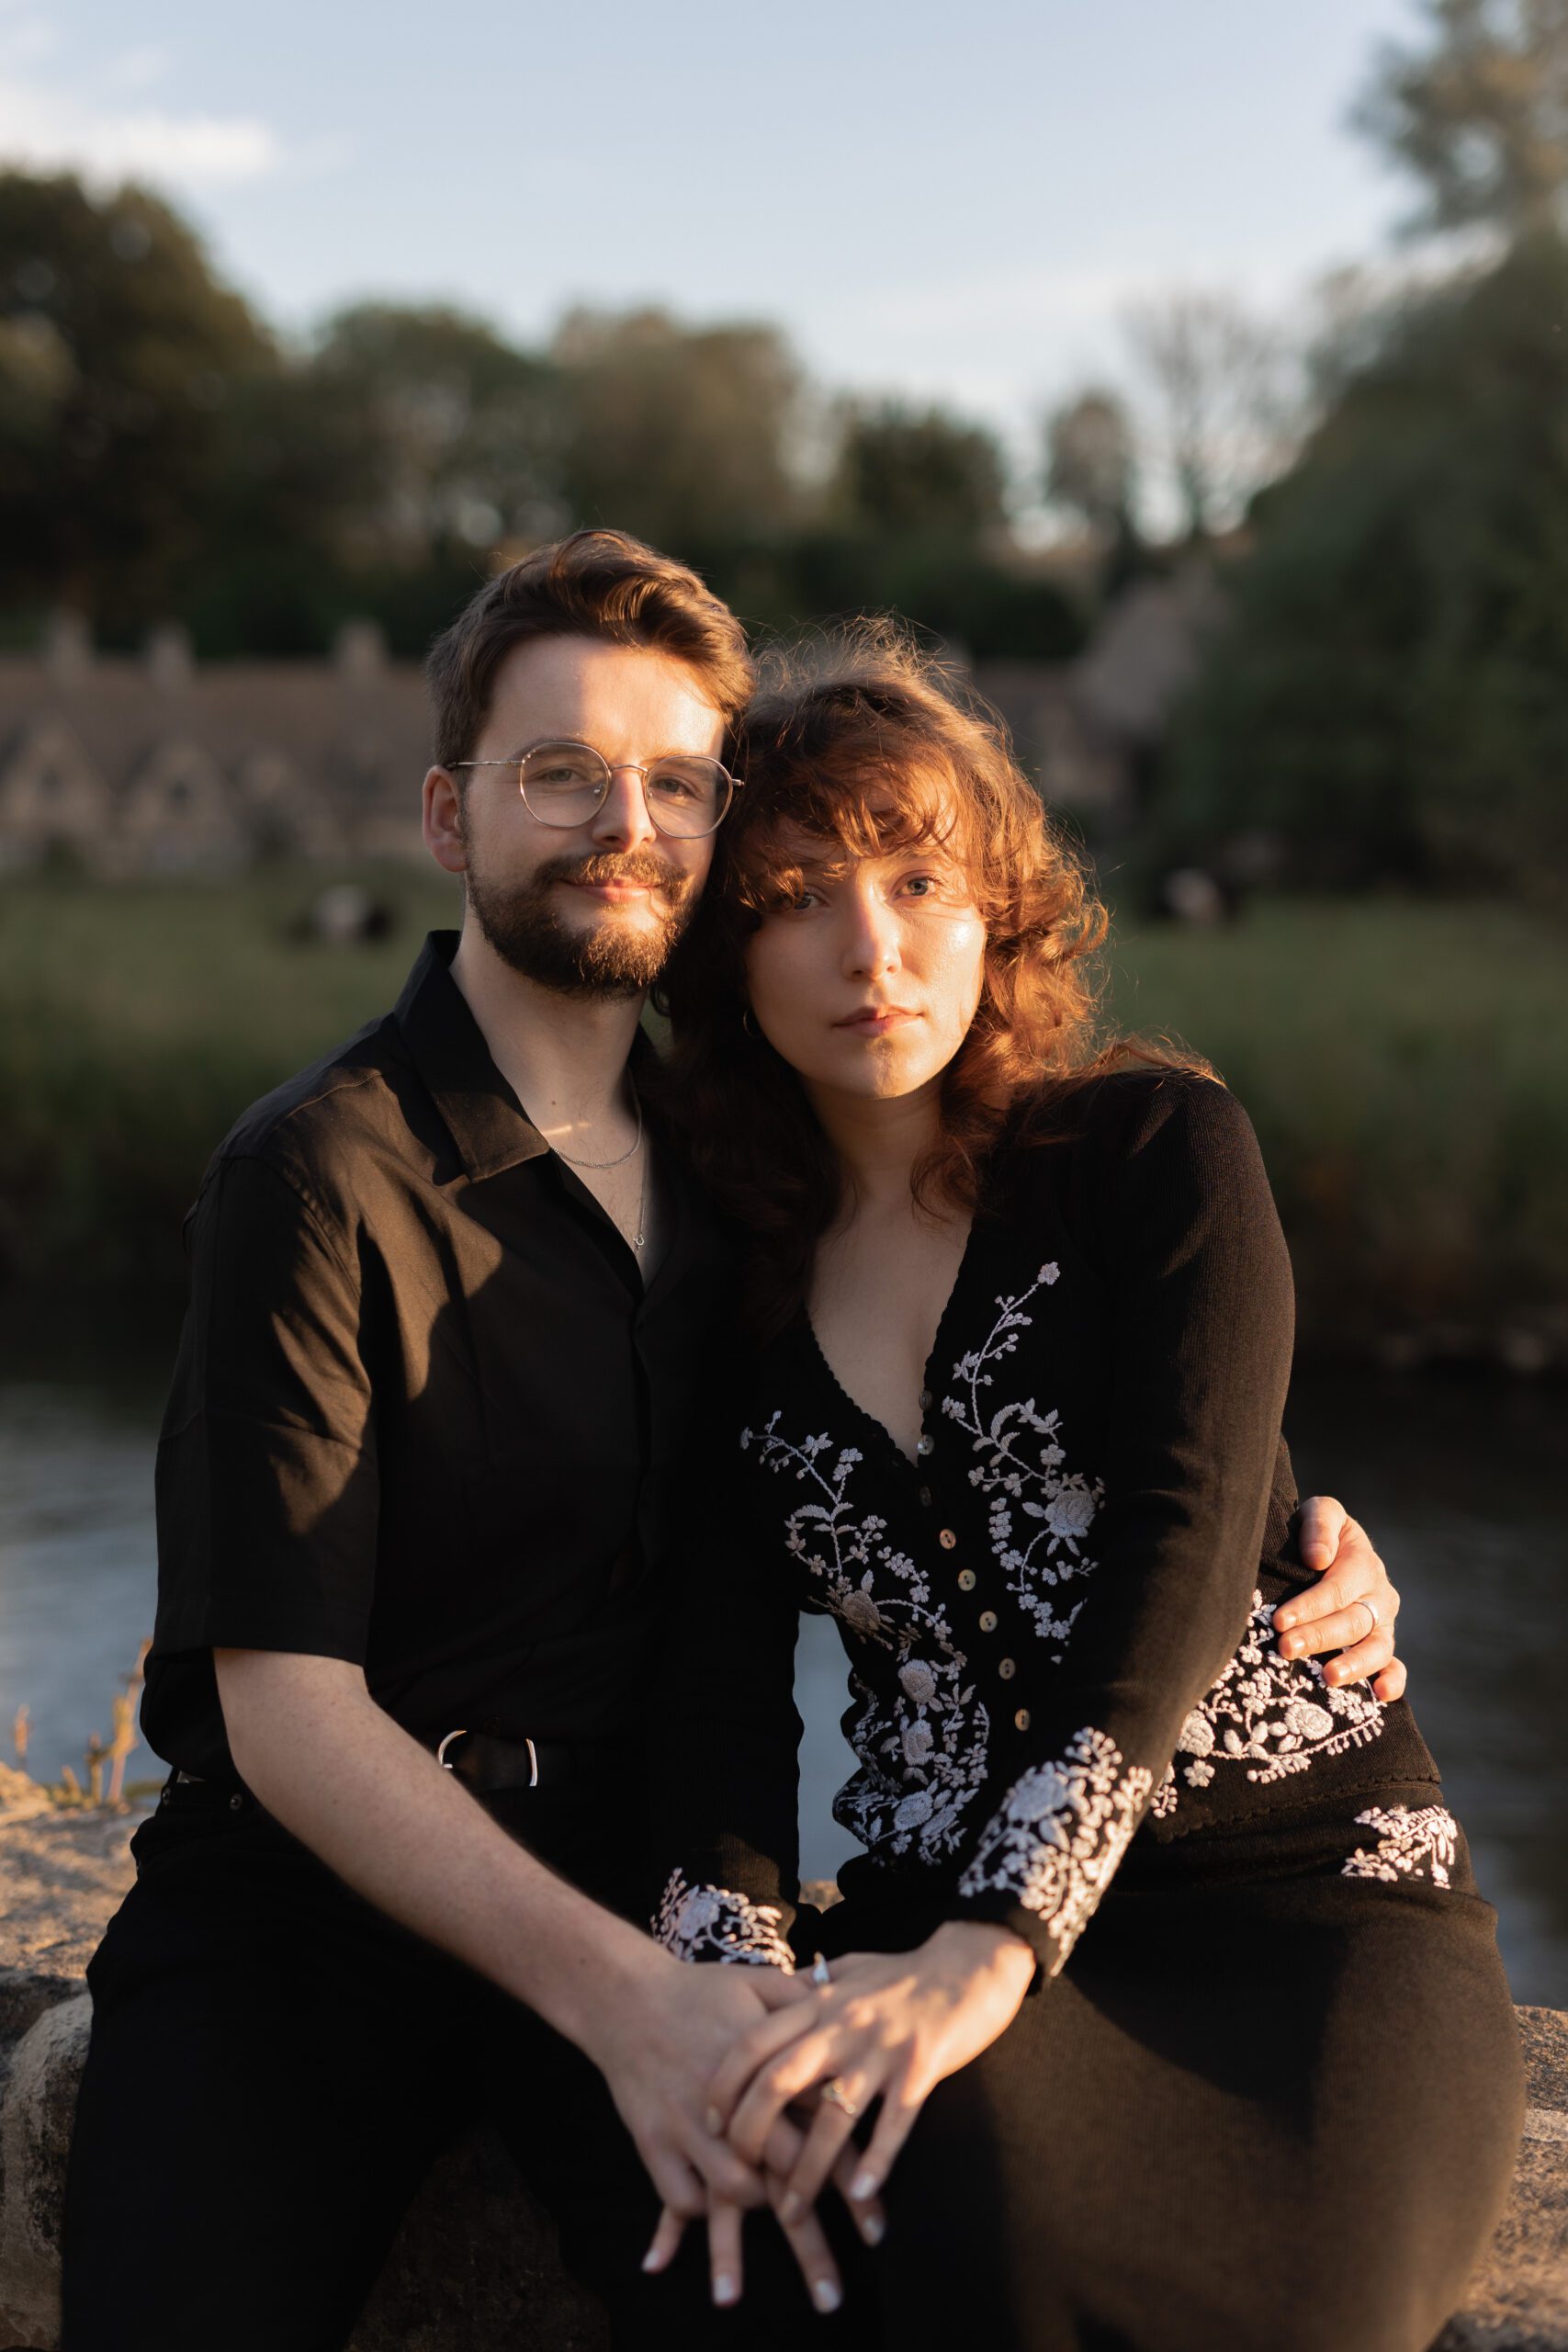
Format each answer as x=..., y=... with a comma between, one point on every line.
x=862, y=806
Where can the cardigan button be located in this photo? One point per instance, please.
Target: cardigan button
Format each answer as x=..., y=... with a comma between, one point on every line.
x=925, y=1400
x=924, y=1496
x=1005, y=1668
x=924, y=1445
x=1021, y=1721
x=947, y=1539
x=966, y=1579
x=987, y=1621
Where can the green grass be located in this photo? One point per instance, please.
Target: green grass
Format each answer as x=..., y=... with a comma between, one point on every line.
x=137, y=1023
x=1406, y=1067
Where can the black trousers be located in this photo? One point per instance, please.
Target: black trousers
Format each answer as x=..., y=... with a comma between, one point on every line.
x=274, y=2067
x=1264, y=2105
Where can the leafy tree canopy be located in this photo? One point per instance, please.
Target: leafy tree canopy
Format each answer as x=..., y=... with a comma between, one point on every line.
x=1389, y=697
x=1480, y=114
x=118, y=351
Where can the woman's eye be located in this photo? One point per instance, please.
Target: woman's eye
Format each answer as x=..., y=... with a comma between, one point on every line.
x=924, y=884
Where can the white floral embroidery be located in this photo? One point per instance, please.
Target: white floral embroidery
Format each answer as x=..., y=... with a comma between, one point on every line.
x=714, y=1922
x=1060, y=1834
x=1062, y=1502
x=1274, y=1715
x=1410, y=1845
x=924, y=1755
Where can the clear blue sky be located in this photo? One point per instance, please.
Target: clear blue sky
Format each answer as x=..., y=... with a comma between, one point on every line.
x=955, y=201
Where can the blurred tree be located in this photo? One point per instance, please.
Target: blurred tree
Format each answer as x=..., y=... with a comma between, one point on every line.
x=462, y=431
x=1389, y=698
x=1480, y=114
x=683, y=434
x=910, y=473
x=1221, y=391
x=1090, y=462
x=118, y=349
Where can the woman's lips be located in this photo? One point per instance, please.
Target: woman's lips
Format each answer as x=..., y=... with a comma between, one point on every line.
x=875, y=1020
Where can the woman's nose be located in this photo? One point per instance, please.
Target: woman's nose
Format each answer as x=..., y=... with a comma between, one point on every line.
x=871, y=945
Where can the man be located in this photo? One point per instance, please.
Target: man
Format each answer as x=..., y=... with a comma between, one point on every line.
x=418, y=1473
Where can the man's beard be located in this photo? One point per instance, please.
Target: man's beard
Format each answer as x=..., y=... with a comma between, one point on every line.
x=525, y=926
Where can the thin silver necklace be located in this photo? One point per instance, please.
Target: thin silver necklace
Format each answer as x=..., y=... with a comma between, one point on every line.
x=639, y=1237
x=621, y=1159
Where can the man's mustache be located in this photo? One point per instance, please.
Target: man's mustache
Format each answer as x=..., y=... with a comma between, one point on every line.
x=640, y=866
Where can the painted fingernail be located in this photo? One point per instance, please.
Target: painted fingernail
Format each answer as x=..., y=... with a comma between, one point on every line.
x=872, y=2228
x=792, y=2205
x=826, y=2295
x=864, y=2184
x=725, y=2290
x=650, y=2259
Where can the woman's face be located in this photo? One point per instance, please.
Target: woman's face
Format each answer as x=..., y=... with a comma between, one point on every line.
x=868, y=981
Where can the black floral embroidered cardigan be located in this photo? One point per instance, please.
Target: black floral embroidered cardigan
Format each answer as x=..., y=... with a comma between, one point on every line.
x=1059, y=1617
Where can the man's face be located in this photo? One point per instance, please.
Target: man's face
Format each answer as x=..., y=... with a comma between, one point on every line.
x=593, y=909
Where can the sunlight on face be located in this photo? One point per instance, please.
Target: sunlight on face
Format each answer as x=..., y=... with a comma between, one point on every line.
x=867, y=980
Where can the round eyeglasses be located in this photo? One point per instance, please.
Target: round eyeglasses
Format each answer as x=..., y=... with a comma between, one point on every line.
x=566, y=783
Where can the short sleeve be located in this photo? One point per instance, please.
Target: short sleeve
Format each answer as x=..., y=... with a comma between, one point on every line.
x=267, y=1487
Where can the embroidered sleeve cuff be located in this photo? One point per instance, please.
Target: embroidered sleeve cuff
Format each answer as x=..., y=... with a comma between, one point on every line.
x=1045, y=1858
x=716, y=1923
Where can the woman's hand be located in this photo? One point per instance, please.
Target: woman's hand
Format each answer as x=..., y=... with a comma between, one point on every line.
x=887, y=2026
x=1352, y=1610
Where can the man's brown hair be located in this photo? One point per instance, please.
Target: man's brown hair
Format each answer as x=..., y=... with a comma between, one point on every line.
x=602, y=584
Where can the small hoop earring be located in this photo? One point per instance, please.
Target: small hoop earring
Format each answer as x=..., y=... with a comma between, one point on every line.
x=749, y=1024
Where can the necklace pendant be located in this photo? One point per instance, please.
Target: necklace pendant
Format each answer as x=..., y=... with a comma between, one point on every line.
x=637, y=1241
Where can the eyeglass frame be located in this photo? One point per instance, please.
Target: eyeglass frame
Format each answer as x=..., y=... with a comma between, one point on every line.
x=643, y=768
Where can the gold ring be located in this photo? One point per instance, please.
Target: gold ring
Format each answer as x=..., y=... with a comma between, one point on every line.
x=835, y=2093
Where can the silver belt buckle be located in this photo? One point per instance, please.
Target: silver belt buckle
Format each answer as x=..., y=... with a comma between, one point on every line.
x=533, y=1755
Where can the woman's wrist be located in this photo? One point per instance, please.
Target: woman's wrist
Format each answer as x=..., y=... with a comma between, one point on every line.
x=982, y=1947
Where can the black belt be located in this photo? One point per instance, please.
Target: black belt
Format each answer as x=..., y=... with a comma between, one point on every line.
x=488, y=1763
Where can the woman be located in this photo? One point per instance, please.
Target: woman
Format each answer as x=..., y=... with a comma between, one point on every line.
x=1162, y=1989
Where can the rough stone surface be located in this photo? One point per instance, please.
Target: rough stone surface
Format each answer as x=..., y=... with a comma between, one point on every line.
x=1520, y=2299
x=475, y=2268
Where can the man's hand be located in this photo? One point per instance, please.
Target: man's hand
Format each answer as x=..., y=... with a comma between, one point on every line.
x=657, y=2049
x=657, y=2056
x=1351, y=1608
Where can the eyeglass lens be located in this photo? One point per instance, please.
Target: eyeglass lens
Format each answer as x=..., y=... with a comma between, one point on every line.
x=564, y=784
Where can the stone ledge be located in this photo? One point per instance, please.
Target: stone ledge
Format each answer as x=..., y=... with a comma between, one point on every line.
x=475, y=2268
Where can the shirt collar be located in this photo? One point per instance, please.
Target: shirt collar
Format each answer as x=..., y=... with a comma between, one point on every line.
x=489, y=1126
x=446, y=1046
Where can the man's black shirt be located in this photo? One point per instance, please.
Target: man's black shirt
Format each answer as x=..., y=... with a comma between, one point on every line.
x=425, y=1416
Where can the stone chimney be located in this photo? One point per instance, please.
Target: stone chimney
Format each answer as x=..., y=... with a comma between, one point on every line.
x=169, y=659
x=360, y=651
x=67, y=648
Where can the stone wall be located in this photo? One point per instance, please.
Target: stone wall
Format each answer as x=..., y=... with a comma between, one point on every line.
x=475, y=2268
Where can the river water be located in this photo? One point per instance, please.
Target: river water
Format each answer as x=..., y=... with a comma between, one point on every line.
x=1461, y=1483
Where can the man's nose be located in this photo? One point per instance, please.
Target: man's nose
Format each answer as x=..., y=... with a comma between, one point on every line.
x=621, y=821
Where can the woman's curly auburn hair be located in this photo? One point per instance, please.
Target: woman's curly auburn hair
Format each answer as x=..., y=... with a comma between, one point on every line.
x=867, y=743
